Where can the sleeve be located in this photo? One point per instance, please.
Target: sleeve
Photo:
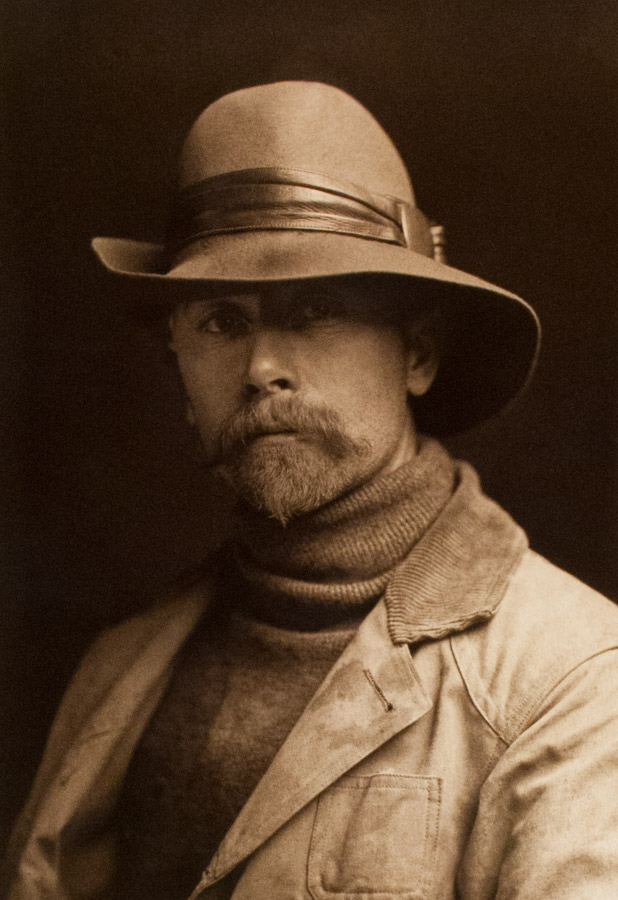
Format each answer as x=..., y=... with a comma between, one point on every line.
x=547, y=822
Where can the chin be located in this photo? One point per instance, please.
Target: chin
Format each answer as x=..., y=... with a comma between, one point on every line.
x=285, y=482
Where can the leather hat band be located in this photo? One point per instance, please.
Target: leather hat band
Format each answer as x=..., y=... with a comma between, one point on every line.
x=294, y=200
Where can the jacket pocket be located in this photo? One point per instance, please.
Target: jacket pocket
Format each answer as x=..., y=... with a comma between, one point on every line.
x=374, y=838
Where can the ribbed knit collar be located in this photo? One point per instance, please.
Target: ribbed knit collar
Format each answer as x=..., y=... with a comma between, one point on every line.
x=457, y=573
x=328, y=567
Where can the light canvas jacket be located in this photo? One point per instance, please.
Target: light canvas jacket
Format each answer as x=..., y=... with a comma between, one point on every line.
x=477, y=759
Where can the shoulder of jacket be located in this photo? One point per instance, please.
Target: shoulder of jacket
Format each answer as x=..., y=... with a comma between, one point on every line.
x=548, y=625
x=171, y=615
x=116, y=646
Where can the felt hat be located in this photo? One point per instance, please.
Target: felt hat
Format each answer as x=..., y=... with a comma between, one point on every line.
x=297, y=180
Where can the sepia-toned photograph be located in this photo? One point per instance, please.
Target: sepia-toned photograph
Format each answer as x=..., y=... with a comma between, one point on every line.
x=309, y=374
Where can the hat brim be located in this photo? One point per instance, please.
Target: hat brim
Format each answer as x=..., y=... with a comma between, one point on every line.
x=492, y=340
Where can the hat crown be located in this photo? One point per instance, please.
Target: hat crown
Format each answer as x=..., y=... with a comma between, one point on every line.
x=302, y=125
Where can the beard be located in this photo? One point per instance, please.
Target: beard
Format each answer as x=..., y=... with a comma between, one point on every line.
x=293, y=475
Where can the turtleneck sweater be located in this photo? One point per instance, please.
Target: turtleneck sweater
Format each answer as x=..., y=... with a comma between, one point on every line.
x=332, y=564
x=288, y=601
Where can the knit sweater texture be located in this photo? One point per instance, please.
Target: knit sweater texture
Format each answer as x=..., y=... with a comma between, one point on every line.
x=289, y=600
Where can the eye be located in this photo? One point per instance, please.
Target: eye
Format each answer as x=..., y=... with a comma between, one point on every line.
x=315, y=310
x=228, y=322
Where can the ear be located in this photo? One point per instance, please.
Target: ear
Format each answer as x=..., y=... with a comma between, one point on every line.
x=423, y=357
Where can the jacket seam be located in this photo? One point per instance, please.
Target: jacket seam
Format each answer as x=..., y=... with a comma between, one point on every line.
x=528, y=706
x=518, y=553
x=529, y=716
x=473, y=700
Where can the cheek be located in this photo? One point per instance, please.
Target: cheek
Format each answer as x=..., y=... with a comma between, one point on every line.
x=213, y=397
x=368, y=386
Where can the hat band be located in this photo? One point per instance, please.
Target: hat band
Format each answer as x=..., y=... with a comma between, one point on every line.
x=293, y=200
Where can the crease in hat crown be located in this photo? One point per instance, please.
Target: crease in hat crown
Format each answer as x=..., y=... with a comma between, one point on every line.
x=297, y=180
x=302, y=125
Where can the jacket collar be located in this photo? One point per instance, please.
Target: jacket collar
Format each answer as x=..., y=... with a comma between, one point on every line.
x=457, y=574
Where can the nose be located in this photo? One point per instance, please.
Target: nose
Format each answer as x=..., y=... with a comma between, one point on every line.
x=270, y=365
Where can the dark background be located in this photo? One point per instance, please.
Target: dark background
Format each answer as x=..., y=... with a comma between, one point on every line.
x=506, y=115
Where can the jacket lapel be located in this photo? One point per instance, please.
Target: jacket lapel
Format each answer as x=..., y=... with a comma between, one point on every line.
x=373, y=682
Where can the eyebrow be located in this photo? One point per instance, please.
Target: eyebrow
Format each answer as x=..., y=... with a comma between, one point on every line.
x=221, y=300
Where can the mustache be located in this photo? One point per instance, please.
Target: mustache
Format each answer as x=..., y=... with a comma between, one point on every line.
x=287, y=414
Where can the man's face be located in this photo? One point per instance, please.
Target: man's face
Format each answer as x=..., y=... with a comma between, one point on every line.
x=300, y=391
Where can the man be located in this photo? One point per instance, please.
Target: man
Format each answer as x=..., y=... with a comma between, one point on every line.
x=377, y=690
